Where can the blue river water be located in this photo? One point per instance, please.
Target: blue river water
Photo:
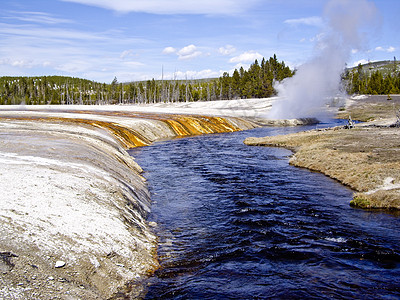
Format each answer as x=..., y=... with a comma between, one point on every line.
x=238, y=222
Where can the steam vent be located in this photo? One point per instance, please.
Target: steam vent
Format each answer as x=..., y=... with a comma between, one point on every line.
x=75, y=199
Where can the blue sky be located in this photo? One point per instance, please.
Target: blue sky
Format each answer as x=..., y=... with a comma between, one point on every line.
x=137, y=39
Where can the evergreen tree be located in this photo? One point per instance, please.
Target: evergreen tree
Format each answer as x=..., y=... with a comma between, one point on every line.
x=375, y=83
x=257, y=81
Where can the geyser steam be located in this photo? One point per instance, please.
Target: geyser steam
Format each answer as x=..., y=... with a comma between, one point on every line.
x=305, y=94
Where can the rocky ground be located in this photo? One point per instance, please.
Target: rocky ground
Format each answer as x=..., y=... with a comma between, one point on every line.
x=366, y=157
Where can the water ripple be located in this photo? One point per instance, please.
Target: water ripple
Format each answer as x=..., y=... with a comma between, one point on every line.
x=238, y=222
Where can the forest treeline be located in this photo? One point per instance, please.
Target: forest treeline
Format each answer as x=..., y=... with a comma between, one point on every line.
x=364, y=79
x=256, y=82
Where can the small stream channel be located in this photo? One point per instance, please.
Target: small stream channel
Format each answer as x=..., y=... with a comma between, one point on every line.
x=238, y=222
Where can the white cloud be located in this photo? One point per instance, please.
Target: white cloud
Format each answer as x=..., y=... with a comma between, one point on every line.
x=24, y=63
x=201, y=74
x=318, y=38
x=190, y=56
x=20, y=63
x=227, y=50
x=207, y=73
x=310, y=21
x=35, y=17
x=389, y=49
x=52, y=35
x=169, y=50
x=224, y=7
x=74, y=66
x=361, y=61
x=126, y=53
x=240, y=65
x=248, y=56
x=37, y=49
x=133, y=64
x=188, y=52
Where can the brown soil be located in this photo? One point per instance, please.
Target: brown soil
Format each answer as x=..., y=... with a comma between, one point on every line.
x=366, y=158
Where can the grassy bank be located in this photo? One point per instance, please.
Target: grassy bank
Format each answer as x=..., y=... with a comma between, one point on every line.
x=365, y=158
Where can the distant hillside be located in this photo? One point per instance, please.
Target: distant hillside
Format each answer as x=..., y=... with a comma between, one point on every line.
x=375, y=78
x=386, y=67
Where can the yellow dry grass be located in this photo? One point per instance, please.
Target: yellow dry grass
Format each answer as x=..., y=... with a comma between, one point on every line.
x=362, y=158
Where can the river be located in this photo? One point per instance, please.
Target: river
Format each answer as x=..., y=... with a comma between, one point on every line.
x=238, y=222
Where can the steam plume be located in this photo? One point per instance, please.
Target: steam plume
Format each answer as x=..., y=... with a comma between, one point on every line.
x=305, y=94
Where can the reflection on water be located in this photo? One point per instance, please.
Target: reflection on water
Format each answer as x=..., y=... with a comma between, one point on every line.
x=237, y=222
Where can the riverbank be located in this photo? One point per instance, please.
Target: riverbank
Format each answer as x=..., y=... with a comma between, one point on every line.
x=72, y=212
x=365, y=158
x=74, y=205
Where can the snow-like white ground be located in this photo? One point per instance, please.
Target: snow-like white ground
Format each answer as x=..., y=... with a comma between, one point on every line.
x=70, y=192
x=256, y=110
x=250, y=108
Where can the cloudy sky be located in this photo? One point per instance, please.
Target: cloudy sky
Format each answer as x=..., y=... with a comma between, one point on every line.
x=137, y=39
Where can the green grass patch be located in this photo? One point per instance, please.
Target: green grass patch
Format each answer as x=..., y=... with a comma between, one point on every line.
x=360, y=201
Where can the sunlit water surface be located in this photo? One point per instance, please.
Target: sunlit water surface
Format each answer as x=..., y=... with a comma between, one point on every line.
x=238, y=222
